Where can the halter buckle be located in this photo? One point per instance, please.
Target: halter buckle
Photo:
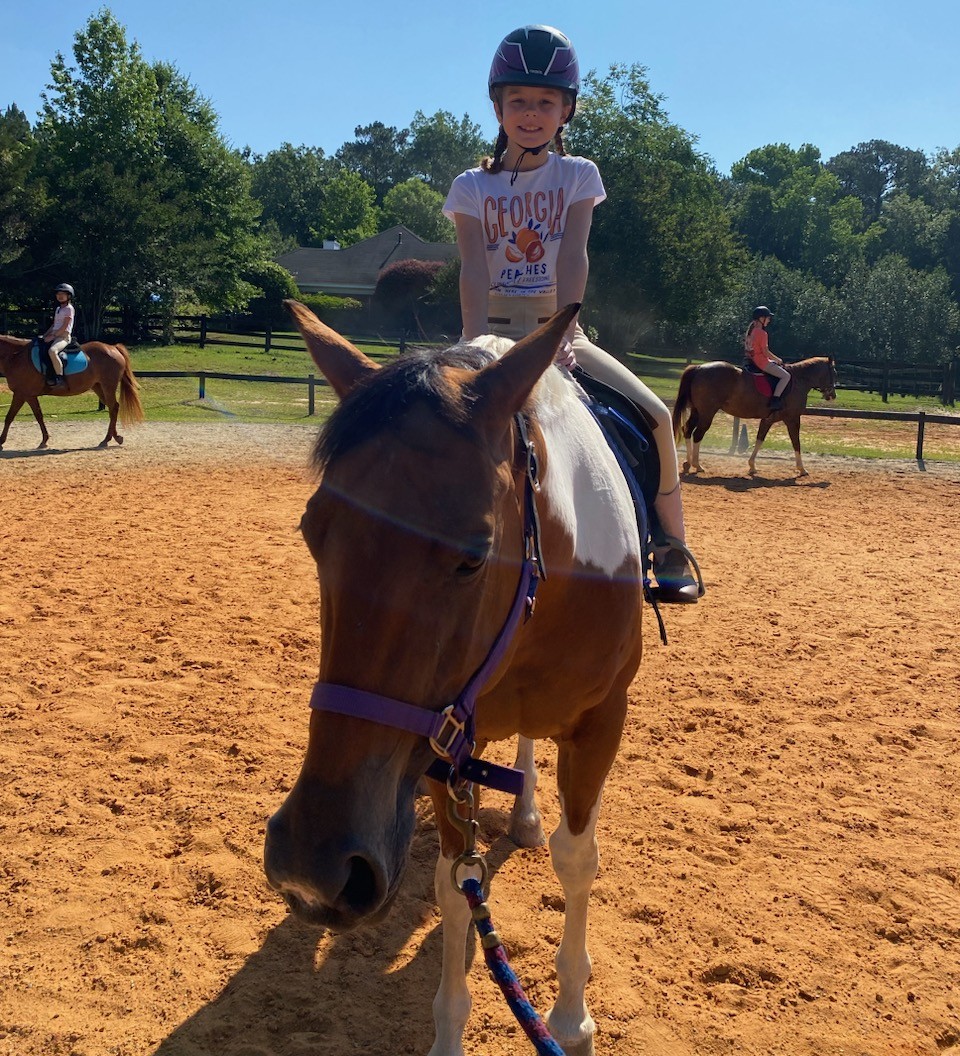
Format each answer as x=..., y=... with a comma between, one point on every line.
x=442, y=741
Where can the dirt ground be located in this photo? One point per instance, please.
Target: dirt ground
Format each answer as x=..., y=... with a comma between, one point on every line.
x=780, y=866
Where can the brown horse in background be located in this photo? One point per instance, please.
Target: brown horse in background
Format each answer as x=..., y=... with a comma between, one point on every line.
x=107, y=368
x=711, y=387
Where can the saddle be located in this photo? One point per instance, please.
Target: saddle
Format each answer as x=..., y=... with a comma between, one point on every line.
x=762, y=381
x=629, y=431
x=72, y=356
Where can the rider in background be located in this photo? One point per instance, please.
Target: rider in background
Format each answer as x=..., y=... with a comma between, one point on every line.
x=522, y=220
x=61, y=329
x=758, y=352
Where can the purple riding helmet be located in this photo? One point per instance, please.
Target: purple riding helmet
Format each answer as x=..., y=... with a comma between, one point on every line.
x=536, y=55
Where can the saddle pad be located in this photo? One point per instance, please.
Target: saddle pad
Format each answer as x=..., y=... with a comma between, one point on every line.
x=73, y=362
x=763, y=383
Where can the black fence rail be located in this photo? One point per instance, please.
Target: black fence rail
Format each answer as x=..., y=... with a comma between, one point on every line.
x=922, y=419
x=202, y=376
x=936, y=380
x=901, y=379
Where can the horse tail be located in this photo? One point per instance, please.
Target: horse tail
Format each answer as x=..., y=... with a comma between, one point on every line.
x=131, y=409
x=683, y=400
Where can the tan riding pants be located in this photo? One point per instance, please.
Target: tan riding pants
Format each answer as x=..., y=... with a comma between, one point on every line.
x=515, y=317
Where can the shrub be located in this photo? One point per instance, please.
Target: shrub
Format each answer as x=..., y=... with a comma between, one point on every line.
x=274, y=283
x=342, y=313
x=401, y=289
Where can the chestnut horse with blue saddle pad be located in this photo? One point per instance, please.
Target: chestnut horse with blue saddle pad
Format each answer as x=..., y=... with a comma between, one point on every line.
x=710, y=387
x=94, y=365
x=455, y=487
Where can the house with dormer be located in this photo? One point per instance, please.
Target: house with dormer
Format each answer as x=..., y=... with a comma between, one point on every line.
x=353, y=271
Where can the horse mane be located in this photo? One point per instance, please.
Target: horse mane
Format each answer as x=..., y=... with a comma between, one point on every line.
x=810, y=361
x=19, y=343
x=381, y=400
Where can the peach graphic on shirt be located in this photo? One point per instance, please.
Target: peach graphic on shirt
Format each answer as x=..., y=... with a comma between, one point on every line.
x=525, y=244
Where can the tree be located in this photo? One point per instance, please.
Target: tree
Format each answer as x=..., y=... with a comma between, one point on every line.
x=348, y=211
x=379, y=155
x=662, y=244
x=914, y=230
x=290, y=184
x=149, y=199
x=21, y=198
x=892, y=311
x=442, y=147
x=875, y=170
x=413, y=204
x=806, y=314
x=273, y=284
x=786, y=204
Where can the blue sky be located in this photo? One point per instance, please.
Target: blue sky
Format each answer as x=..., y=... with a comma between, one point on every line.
x=735, y=74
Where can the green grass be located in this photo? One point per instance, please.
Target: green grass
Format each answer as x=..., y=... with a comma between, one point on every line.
x=177, y=399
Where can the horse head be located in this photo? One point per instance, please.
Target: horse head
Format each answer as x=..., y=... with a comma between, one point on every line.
x=827, y=379
x=415, y=531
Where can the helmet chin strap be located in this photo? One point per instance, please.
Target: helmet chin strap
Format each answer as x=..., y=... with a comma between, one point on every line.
x=523, y=153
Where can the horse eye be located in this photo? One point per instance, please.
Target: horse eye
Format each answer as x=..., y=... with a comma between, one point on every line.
x=474, y=558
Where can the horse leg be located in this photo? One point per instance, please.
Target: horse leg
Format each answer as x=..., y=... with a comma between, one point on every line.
x=582, y=765
x=110, y=401
x=698, y=430
x=34, y=405
x=16, y=402
x=576, y=859
x=762, y=429
x=793, y=428
x=692, y=463
x=451, y=1006
x=526, y=825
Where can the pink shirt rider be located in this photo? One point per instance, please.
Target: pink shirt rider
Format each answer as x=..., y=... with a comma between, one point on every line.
x=757, y=346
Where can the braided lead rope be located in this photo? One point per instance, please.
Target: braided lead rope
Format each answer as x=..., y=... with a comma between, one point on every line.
x=496, y=957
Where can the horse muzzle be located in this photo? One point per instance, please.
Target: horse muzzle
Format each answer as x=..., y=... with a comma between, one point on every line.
x=334, y=866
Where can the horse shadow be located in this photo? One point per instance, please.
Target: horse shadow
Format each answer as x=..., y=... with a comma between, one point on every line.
x=42, y=452
x=740, y=485
x=306, y=991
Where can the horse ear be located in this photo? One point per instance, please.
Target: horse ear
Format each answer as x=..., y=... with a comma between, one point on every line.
x=342, y=364
x=502, y=388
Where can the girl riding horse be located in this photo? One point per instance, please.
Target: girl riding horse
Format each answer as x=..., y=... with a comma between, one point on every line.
x=522, y=221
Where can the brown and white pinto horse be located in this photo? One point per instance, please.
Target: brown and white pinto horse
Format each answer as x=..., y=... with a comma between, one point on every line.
x=417, y=528
x=710, y=387
x=108, y=366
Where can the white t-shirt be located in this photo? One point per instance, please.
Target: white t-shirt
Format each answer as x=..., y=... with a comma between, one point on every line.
x=523, y=224
x=63, y=318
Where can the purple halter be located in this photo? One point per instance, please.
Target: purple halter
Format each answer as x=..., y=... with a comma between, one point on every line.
x=451, y=731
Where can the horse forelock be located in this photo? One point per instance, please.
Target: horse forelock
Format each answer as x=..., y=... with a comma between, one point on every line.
x=379, y=401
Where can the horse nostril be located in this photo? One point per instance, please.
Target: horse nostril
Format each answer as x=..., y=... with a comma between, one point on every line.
x=360, y=891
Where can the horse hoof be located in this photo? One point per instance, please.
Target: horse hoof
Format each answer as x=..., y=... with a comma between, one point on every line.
x=527, y=831
x=119, y=439
x=686, y=467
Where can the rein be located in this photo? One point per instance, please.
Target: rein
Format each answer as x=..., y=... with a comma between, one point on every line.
x=451, y=730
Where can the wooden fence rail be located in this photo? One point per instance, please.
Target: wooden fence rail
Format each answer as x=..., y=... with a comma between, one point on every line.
x=311, y=381
x=922, y=418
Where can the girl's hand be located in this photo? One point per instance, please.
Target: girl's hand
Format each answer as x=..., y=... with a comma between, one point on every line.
x=565, y=356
